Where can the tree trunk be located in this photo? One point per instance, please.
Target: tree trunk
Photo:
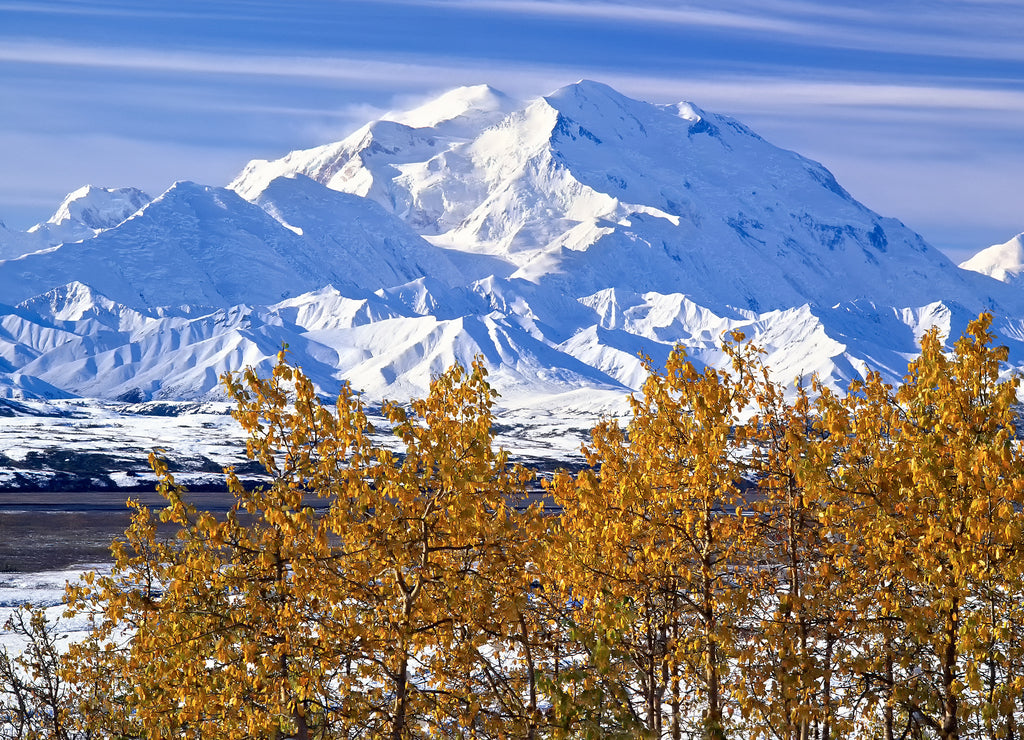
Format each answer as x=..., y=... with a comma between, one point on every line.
x=301, y=727
x=398, y=731
x=1011, y=724
x=677, y=713
x=826, y=720
x=713, y=728
x=531, y=672
x=950, y=729
x=888, y=732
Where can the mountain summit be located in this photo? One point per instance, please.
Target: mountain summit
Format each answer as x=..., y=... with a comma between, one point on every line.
x=82, y=215
x=587, y=189
x=559, y=238
x=1004, y=262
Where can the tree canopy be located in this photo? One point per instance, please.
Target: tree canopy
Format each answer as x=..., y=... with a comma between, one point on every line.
x=739, y=560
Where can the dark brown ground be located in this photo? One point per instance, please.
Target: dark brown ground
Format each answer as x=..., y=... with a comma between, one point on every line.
x=47, y=531
x=52, y=530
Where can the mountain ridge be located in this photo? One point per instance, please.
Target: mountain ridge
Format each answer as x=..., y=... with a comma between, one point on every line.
x=558, y=238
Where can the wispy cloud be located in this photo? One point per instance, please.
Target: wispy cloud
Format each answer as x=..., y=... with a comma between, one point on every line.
x=121, y=12
x=405, y=74
x=776, y=92
x=675, y=14
x=944, y=29
x=80, y=55
x=775, y=89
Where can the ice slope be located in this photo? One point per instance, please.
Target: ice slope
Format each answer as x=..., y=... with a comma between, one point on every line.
x=83, y=214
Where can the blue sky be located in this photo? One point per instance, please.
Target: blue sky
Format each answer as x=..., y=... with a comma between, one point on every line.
x=917, y=107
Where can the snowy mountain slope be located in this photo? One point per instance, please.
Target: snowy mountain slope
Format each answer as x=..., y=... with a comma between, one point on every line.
x=197, y=245
x=377, y=250
x=75, y=342
x=1004, y=262
x=587, y=189
x=83, y=214
x=459, y=113
x=79, y=341
x=365, y=162
x=16, y=243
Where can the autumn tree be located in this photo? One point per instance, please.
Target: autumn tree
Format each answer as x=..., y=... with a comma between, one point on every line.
x=213, y=631
x=33, y=694
x=648, y=541
x=362, y=592
x=443, y=553
x=793, y=642
x=926, y=517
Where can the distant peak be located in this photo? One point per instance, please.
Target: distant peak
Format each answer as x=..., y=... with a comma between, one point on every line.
x=596, y=112
x=187, y=190
x=99, y=208
x=481, y=100
x=590, y=101
x=588, y=90
x=1000, y=261
x=67, y=302
x=186, y=186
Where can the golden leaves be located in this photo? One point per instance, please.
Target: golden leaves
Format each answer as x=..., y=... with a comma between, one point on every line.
x=740, y=557
x=360, y=613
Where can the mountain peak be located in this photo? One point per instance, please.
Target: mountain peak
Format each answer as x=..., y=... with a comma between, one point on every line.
x=474, y=107
x=98, y=208
x=69, y=302
x=587, y=100
x=587, y=90
x=1004, y=262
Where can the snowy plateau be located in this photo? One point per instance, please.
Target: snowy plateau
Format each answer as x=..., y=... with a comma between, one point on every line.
x=558, y=239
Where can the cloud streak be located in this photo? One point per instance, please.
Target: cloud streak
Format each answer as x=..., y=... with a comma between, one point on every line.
x=629, y=12
x=939, y=29
x=773, y=89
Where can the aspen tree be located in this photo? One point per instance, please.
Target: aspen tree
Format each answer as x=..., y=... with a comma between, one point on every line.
x=353, y=596
x=928, y=519
x=33, y=695
x=794, y=641
x=649, y=542
x=214, y=632
x=442, y=559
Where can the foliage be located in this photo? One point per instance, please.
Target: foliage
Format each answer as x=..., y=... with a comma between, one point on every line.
x=33, y=695
x=648, y=542
x=928, y=490
x=341, y=600
x=740, y=560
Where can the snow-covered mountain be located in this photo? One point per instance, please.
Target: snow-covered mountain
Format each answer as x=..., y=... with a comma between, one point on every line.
x=83, y=214
x=1004, y=262
x=587, y=189
x=200, y=245
x=558, y=238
